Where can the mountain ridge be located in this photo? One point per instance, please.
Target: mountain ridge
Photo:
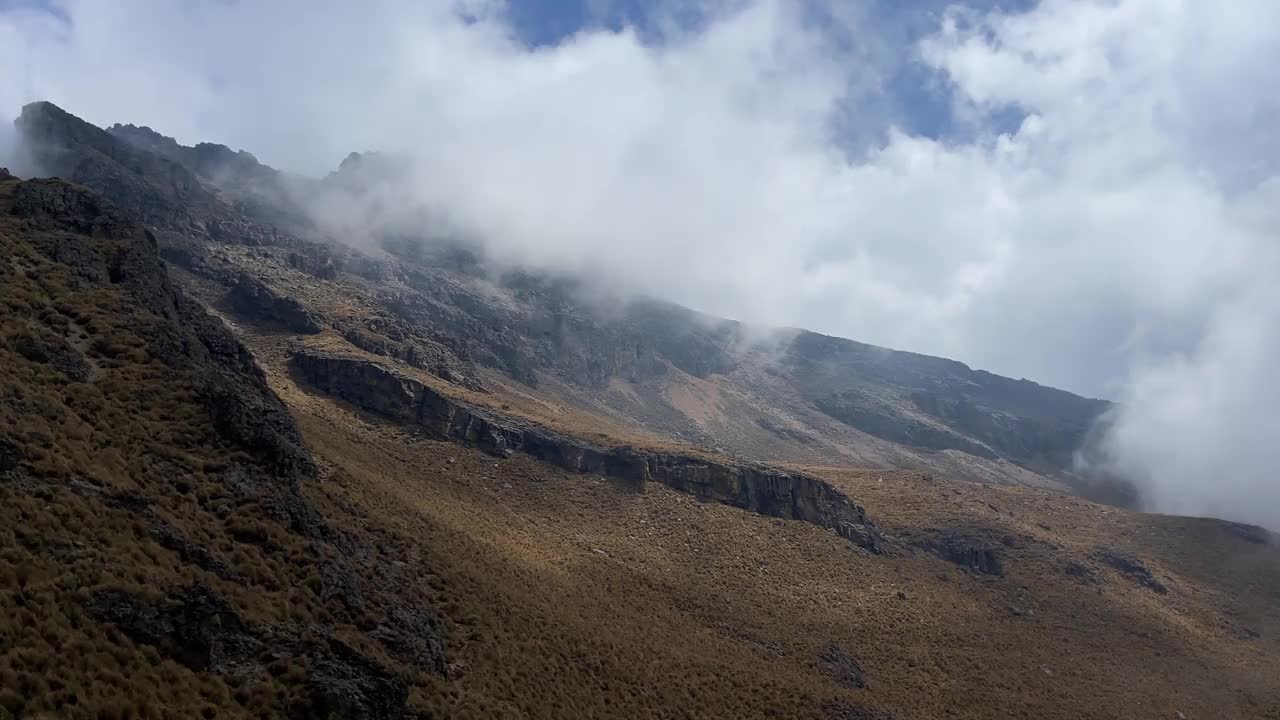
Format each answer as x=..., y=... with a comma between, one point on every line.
x=246, y=471
x=855, y=403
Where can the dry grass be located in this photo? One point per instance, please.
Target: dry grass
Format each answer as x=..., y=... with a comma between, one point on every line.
x=89, y=469
x=563, y=596
x=581, y=600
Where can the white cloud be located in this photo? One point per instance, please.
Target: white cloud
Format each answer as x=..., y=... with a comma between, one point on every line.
x=1117, y=242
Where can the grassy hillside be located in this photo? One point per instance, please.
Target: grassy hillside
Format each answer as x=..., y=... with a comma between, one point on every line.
x=188, y=530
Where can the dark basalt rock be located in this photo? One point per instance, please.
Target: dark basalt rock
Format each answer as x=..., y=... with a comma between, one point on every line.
x=210, y=160
x=763, y=490
x=434, y=358
x=192, y=626
x=56, y=353
x=170, y=538
x=412, y=633
x=968, y=549
x=251, y=478
x=52, y=204
x=198, y=629
x=315, y=265
x=11, y=455
x=151, y=188
x=1080, y=571
x=257, y=302
x=183, y=335
x=837, y=663
x=346, y=685
x=1131, y=567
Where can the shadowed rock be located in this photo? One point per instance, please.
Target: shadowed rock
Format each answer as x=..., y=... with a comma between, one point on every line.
x=1131, y=567
x=192, y=626
x=198, y=629
x=257, y=302
x=842, y=668
x=56, y=353
x=763, y=490
x=968, y=549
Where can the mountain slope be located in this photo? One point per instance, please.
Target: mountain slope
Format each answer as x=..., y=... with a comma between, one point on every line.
x=160, y=551
x=617, y=364
x=375, y=484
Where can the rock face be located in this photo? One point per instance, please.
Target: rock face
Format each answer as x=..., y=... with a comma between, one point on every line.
x=235, y=389
x=259, y=303
x=841, y=666
x=441, y=308
x=941, y=404
x=391, y=394
x=969, y=549
x=1130, y=566
x=194, y=626
x=152, y=188
x=198, y=629
x=434, y=358
x=204, y=159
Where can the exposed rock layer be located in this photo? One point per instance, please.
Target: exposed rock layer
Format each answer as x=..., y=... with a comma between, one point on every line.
x=767, y=491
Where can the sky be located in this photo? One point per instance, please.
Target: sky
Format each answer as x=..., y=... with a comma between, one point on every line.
x=1081, y=192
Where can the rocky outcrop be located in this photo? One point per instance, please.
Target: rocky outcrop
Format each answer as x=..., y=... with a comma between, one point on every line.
x=970, y=549
x=153, y=184
x=54, y=352
x=382, y=390
x=129, y=405
x=840, y=665
x=256, y=301
x=432, y=357
x=101, y=247
x=210, y=160
x=152, y=188
x=1131, y=567
x=195, y=627
x=530, y=326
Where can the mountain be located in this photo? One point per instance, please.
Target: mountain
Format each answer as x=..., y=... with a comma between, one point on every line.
x=249, y=469
x=780, y=396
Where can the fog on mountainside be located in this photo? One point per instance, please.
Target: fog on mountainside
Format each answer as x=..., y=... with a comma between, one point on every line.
x=1116, y=237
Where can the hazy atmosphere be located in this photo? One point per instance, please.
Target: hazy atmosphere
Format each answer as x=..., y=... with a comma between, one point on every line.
x=1086, y=194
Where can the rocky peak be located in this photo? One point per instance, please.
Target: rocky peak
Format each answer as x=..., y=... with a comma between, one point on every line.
x=216, y=163
x=153, y=188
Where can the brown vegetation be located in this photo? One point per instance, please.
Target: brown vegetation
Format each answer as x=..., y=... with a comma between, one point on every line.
x=557, y=595
x=583, y=600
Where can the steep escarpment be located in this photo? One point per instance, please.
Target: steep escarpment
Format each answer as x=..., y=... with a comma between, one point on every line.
x=161, y=553
x=394, y=395
x=257, y=302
